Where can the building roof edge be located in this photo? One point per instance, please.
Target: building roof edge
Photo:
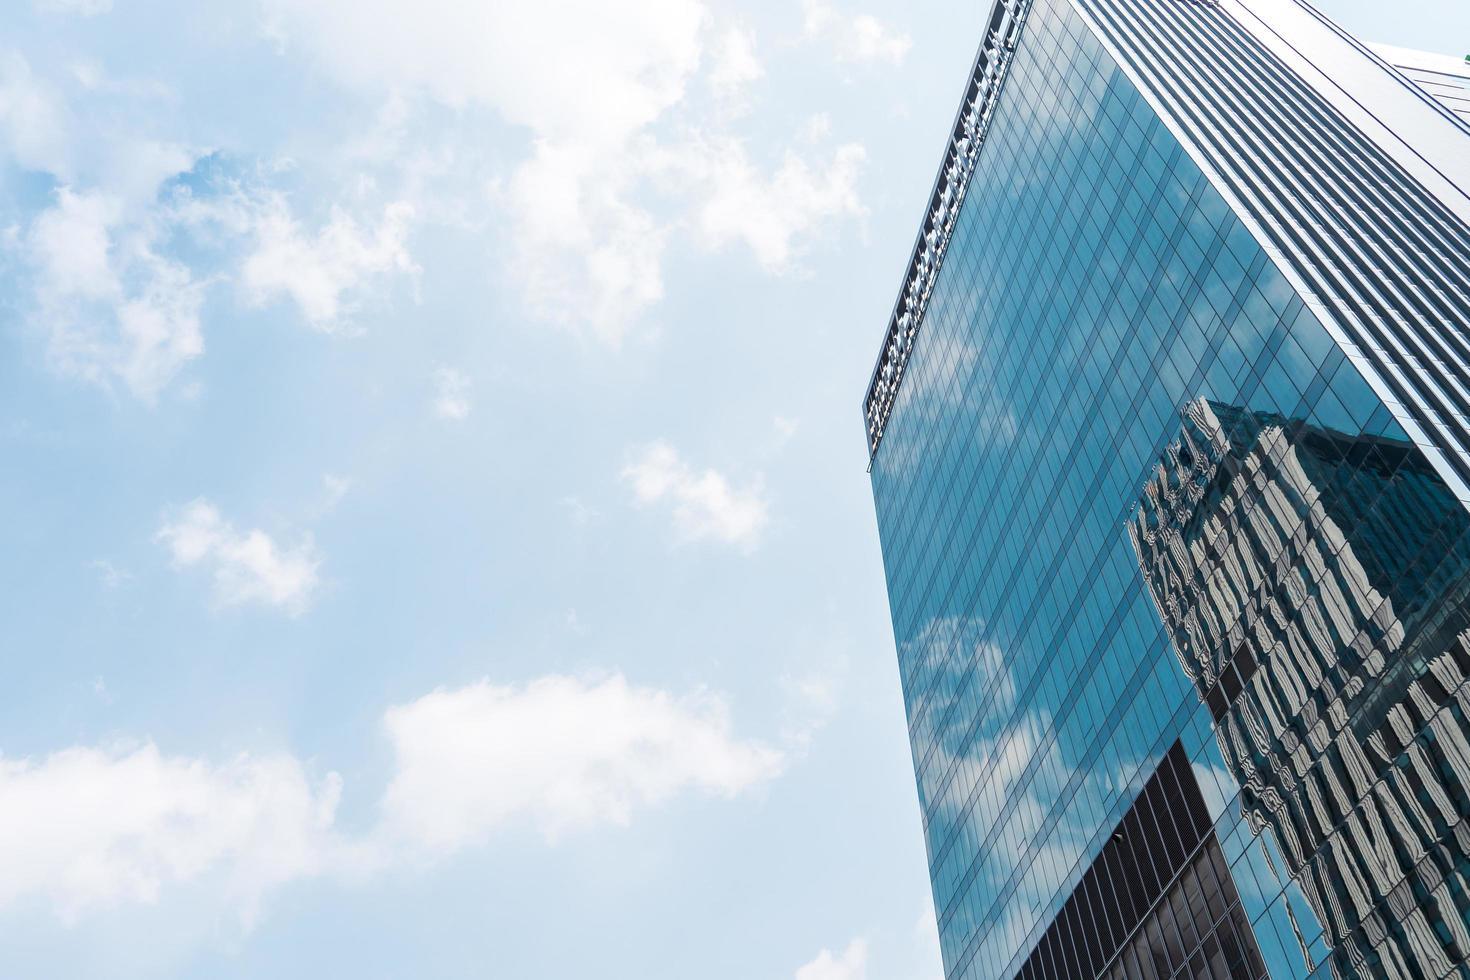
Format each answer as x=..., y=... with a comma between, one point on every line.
x=961, y=150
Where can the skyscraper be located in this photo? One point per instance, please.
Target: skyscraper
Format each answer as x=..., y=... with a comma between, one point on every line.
x=1170, y=451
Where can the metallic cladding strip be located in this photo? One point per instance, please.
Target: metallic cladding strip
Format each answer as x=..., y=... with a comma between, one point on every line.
x=1396, y=71
x=971, y=124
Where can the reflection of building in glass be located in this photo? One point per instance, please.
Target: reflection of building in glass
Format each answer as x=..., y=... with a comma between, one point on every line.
x=1158, y=900
x=1315, y=587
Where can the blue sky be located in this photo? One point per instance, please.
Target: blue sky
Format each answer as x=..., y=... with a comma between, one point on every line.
x=436, y=539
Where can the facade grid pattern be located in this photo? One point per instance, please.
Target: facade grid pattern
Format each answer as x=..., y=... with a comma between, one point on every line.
x=1095, y=283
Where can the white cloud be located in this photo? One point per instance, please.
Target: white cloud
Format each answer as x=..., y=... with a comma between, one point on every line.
x=735, y=63
x=33, y=119
x=317, y=270
x=134, y=169
x=586, y=256
x=771, y=215
x=67, y=125
x=110, y=297
x=854, y=38
x=158, y=326
x=73, y=244
x=558, y=754
x=111, y=308
x=705, y=505
x=817, y=127
x=632, y=59
x=451, y=394
x=816, y=692
x=851, y=964
x=587, y=243
x=90, y=827
x=248, y=566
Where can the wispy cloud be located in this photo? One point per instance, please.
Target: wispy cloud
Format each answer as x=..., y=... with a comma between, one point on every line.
x=772, y=214
x=326, y=268
x=812, y=701
x=33, y=119
x=109, y=301
x=110, y=575
x=451, y=394
x=735, y=64
x=850, y=964
x=586, y=252
x=248, y=567
x=579, y=510
x=110, y=305
x=118, y=266
x=334, y=490
x=320, y=271
x=860, y=38
x=616, y=171
x=704, y=504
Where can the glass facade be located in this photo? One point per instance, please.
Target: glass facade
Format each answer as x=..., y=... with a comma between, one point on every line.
x=1146, y=521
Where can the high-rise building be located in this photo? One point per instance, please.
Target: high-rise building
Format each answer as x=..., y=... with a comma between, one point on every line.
x=1170, y=451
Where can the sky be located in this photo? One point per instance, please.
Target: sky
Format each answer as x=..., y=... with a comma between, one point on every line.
x=435, y=533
